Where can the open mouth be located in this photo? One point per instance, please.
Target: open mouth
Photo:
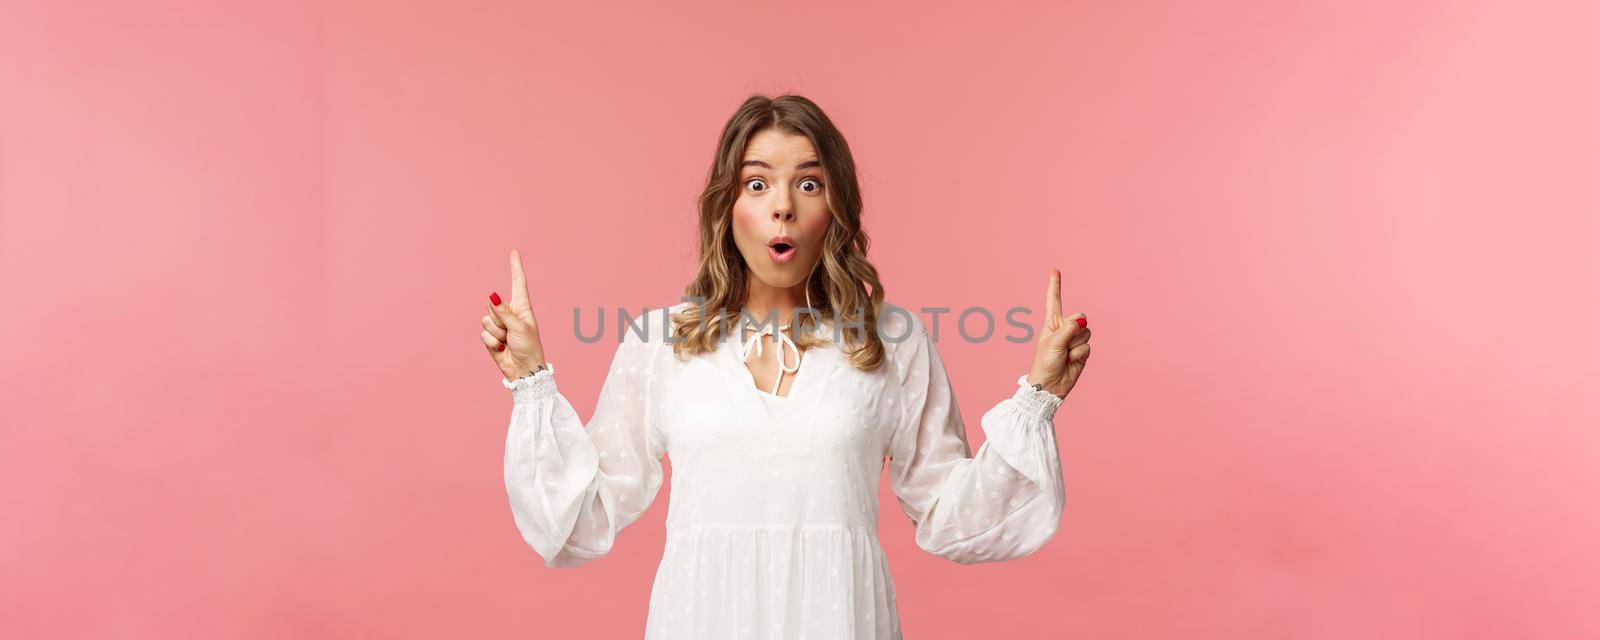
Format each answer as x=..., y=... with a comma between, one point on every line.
x=781, y=249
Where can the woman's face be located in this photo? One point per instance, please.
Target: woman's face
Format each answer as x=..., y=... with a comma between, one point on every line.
x=782, y=192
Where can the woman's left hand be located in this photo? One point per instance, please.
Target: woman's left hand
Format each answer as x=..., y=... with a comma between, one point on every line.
x=1063, y=346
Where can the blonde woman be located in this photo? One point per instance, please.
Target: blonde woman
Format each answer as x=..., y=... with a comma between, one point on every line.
x=779, y=385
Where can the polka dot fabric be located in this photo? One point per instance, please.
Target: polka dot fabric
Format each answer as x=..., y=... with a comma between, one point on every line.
x=772, y=530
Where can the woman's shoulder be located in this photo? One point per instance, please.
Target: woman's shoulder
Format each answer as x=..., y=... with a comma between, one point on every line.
x=899, y=325
x=902, y=332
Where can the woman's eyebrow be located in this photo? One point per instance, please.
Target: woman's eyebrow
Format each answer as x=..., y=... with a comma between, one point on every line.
x=804, y=165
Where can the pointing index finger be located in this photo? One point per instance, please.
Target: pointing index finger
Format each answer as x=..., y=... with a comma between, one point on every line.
x=1052, y=299
x=519, y=282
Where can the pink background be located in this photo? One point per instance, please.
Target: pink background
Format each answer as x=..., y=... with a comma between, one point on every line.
x=1338, y=257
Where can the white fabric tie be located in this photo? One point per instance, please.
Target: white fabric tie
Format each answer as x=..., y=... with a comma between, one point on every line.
x=754, y=346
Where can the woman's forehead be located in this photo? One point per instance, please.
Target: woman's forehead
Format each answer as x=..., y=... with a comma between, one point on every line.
x=777, y=148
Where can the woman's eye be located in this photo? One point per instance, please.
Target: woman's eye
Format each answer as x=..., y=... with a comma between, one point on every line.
x=750, y=184
x=812, y=181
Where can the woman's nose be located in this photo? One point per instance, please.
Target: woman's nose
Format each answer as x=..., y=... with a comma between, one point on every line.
x=783, y=215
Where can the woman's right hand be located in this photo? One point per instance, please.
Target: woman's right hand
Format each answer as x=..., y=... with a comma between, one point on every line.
x=510, y=332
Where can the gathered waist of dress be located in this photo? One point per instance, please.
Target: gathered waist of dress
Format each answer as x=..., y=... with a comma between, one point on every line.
x=682, y=530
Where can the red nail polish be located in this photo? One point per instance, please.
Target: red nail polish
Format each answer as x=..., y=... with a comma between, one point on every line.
x=1082, y=322
x=502, y=347
x=494, y=298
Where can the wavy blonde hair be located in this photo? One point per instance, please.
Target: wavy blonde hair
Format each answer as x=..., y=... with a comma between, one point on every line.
x=848, y=290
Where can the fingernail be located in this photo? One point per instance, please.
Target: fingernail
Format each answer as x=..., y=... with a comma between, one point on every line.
x=1082, y=322
x=502, y=347
x=494, y=298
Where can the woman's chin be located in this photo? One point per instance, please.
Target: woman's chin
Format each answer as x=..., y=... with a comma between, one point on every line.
x=776, y=276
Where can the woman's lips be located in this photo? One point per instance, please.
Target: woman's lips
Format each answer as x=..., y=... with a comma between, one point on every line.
x=781, y=253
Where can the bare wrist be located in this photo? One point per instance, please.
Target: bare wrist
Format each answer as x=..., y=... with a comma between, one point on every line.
x=523, y=373
x=1046, y=385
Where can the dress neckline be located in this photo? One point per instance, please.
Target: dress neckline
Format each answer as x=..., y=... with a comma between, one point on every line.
x=775, y=396
x=778, y=409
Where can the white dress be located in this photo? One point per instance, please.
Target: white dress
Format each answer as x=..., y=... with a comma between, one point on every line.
x=772, y=526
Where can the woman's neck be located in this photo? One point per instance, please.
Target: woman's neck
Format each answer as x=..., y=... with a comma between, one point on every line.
x=777, y=303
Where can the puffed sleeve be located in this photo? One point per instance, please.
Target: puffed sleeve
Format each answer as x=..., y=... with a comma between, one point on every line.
x=573, y=488
x=1003, y=502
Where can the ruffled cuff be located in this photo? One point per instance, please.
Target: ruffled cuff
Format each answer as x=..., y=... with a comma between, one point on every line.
x=1036, y=402
x=527, y=389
